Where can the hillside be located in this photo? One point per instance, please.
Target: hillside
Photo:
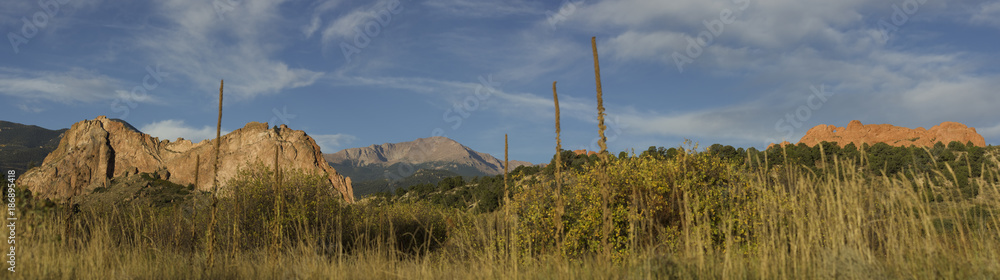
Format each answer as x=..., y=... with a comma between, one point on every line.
x=23, y=145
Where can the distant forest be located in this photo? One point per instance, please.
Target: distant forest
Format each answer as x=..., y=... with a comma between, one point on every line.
x=483, y=194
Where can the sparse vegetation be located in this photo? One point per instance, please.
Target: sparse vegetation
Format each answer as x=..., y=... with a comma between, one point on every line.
x=699, y=215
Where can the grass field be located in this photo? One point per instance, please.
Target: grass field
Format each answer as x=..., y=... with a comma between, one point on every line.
x=694, y=216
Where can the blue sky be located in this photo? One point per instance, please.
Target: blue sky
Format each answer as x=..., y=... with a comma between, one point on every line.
x=356, y=73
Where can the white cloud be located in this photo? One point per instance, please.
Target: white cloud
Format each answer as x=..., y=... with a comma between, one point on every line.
x=645, y=14
x=742, y=122
x=485, y=8
x=173, y=129
x=988, y=14
x=327, y=6
x=31, y=109
x=343, y=27
x=779, y=48
x=331, y=143
x=317, y=19
x=964, y=98
x=75, y=85
x=650, y=29
x=633, y=45
x=308, y=30
x=237, y=43
x=901, y=98
x=513, y=103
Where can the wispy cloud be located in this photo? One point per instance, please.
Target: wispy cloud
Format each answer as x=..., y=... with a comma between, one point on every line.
x=747, y=123
x=343, y=28
x=319, y=11
x=308, y=30
x=30, y=108
x=498, y=100
x=75, y=85
x=988, y=14
x=783, y=47
x=963, y=98
x=240, y=48
x=485, y=8
x=632, y=45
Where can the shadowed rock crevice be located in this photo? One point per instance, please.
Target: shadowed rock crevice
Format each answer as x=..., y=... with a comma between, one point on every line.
x=110, y=173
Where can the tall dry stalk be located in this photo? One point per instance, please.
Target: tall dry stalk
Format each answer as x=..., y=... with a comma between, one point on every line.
x=511, y=224
x=560, y=207
x=603, y=175
x=194, y=207
x=633, y=216
x=277, y=227
x=197, y=169
x=215, y=182
x=506, y=191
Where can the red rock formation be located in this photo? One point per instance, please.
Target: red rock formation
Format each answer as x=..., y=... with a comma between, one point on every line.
x=584, y=152
x=783, y=143
x=858, y=133
x=94, y=151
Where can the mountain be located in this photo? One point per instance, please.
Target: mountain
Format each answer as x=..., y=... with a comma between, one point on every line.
x=92, y=152
x=384, y=164
x=23, y=145
x=859, y=133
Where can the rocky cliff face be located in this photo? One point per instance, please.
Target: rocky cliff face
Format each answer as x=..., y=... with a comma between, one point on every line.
x=94, y=151
x=858, y=133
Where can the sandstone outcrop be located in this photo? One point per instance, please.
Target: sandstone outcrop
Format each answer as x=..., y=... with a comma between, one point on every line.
x=859, y=133
x=94, y=151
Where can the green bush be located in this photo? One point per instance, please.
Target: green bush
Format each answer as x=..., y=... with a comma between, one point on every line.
x=671, y=193
x=310, y=210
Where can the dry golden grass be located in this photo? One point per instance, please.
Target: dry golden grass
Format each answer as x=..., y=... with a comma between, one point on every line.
x=804, y=225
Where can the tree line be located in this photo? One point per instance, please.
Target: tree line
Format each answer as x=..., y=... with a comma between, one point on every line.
x=484, y=193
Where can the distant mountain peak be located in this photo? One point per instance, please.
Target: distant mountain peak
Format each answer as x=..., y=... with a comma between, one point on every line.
x=433, y=152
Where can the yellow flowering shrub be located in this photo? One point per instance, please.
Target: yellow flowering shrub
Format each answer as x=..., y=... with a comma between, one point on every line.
x=651, y=201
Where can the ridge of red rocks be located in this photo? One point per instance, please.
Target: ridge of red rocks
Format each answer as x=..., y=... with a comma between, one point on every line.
x=858, y=133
